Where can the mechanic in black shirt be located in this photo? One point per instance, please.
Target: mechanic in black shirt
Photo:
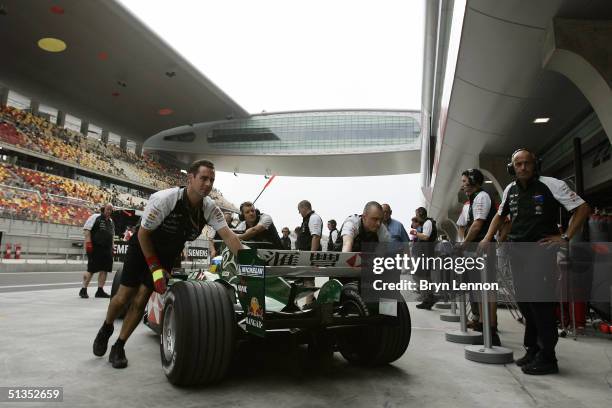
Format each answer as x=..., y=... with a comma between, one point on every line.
x=333, y=235
x=285, y=240
x=478, y=217
x=424, y=245
x=309, y=238
x=257, y=226
x=533, y=203
x=171, y=218
x=99, y=230
x=360, y=229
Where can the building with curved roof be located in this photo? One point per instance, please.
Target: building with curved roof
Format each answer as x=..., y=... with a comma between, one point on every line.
x=295, y=143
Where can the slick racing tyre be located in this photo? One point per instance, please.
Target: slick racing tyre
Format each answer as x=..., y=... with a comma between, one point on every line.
x=198, y=333
x=375, y=345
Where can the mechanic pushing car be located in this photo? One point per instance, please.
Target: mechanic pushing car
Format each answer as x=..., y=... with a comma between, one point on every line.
x=367, y=227
x=257, y=226
x=171, y=218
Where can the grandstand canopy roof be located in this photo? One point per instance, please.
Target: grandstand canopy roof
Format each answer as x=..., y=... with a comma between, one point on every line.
x=115, y=72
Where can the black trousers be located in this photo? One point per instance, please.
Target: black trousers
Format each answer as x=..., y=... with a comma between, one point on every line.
x=540, y=327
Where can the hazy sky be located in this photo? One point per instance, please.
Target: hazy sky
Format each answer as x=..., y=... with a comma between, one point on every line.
x=331, y=197
x=279, y=55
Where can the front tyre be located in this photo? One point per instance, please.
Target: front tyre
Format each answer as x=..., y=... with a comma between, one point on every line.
x=198, y=333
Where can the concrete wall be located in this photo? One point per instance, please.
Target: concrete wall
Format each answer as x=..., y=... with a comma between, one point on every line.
x=42, y=240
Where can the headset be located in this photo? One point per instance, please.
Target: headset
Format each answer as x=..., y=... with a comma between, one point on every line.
x=474, y=176
x=510, y=165
x=247, y=204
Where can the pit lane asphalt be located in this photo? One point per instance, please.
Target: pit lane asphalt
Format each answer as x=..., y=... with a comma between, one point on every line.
x=46, y=340
x=29, y=281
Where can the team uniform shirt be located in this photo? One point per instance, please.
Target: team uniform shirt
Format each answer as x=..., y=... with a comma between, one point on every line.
x=427, y=228
x=270, y=234
x=312, y=225
x=102, y=230
x=332, y=239
x=315, y=225
x=264, y=219
x=173, y=222
x=463, y=217
x=480, y=206
x=286, y=241
x=534, y=209
x=352, y=225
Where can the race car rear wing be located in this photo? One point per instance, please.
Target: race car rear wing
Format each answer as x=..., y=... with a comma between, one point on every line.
x=257, y=268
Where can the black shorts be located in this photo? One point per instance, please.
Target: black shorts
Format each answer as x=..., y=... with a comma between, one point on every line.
x=100, y=260
x=135, y=269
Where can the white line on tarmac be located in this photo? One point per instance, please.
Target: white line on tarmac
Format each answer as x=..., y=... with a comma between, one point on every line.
x=35, y=273
x=41, y=284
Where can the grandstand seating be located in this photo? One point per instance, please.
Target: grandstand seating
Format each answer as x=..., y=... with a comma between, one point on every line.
x=34, y=133
x=34, y=195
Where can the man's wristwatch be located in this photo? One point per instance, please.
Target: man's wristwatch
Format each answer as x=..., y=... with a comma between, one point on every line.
x=565, y=237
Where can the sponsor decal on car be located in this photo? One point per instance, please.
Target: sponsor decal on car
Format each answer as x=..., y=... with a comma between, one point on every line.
x=256, y=271
x=255, y=314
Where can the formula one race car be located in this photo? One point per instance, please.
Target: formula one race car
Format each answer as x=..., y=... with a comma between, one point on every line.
x=260, y=294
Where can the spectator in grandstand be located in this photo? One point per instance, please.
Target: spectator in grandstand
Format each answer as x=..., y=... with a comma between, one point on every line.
x=286, y=241
x=99, y=232
x=171, y=218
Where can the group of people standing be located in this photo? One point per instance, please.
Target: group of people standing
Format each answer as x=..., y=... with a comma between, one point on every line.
x=528, y=213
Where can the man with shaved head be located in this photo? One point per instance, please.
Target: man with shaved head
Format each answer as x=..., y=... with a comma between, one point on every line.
x=99, y=231
x=365, y=228
x=533, y=203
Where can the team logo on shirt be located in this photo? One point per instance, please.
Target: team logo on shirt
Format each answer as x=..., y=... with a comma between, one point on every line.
x=218, y=214
x=538, y=201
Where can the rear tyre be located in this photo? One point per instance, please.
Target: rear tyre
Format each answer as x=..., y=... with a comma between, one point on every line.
x=198, y=333
x=375, y=345
x=115, y=289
